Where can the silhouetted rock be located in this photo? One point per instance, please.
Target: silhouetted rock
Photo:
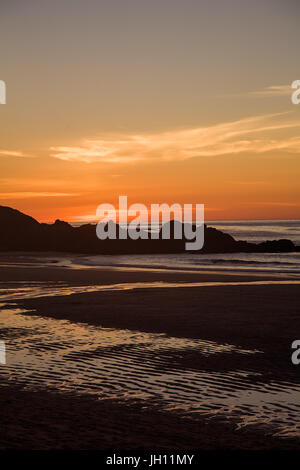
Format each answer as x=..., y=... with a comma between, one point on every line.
x=18, y=231
x=282, y=245
x=216, y=241
x=23, y=233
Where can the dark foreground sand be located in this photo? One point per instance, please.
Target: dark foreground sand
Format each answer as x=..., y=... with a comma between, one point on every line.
x=42, y=420
x=252, y=317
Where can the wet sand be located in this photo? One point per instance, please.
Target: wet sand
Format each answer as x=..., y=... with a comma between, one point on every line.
x=261, y=320
x=44, y=420
x=257, y=316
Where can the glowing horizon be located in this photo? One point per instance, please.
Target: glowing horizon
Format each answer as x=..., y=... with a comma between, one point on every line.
x=167, y=103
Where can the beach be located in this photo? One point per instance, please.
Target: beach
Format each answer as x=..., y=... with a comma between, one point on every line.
x=150, y=230
x=114, y=357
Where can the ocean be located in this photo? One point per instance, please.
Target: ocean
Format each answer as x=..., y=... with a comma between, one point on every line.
x=259, y=230
x=254, y=231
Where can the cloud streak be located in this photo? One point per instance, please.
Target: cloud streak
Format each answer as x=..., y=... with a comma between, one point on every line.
x=32, y=194
x=14, y=153
x=274, y=90
x=258, y=134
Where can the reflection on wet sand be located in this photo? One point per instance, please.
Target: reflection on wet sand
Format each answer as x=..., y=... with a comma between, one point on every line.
x=44, y=353
x=35, y=289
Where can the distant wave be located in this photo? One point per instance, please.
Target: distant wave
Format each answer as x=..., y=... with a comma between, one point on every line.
x=258, y=230
x=246, y=262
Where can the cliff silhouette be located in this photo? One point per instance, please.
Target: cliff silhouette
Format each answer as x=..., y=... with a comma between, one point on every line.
x=20, y=232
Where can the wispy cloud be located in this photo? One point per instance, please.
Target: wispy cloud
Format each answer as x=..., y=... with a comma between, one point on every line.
x=256, y=134
x=32, y=194
x=14, y=153
x=274, y=90
x=272, y=203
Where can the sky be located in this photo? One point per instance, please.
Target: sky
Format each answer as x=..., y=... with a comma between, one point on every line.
x=165, y=101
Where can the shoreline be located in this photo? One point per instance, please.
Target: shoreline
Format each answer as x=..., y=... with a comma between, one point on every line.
x=262, y=319
x=47, y=266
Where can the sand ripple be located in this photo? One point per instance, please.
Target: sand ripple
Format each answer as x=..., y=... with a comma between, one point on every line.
x=124, y=364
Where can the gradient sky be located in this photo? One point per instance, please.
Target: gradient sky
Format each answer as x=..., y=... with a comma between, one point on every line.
x=163, y=101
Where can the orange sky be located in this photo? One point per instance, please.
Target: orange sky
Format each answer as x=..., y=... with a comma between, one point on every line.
x=162, y=102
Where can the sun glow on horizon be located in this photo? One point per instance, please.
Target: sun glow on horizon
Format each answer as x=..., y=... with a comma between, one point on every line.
x=142, y=102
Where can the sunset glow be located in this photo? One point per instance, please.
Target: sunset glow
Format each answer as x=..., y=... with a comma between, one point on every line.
x=160, y=118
